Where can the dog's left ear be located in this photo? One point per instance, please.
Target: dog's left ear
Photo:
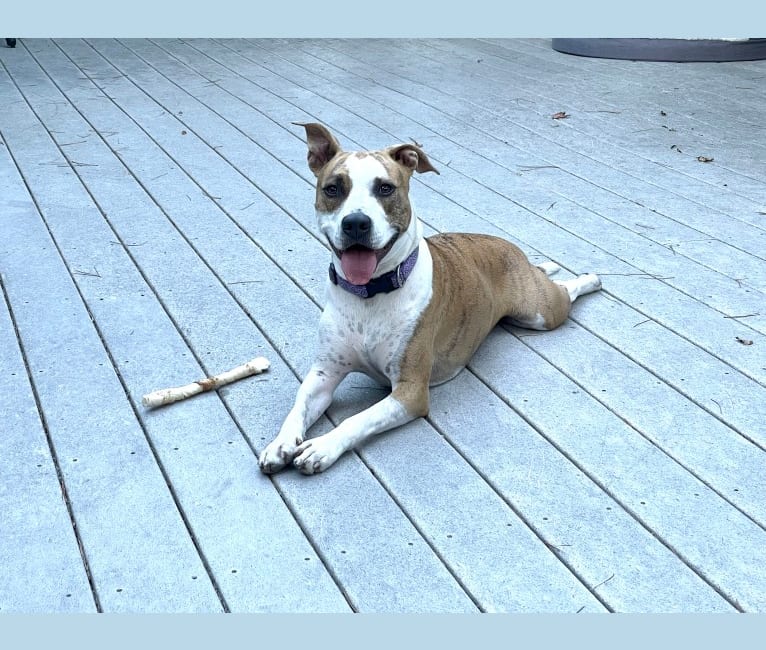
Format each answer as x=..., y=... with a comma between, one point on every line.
x=322, y=145
x=412, y=157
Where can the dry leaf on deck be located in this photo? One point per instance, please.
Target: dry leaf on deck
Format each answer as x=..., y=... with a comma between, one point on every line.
x=560, y=115
x=744, y=341
x=704, y=159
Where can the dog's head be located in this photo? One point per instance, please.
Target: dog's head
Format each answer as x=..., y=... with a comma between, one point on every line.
x=362, y=202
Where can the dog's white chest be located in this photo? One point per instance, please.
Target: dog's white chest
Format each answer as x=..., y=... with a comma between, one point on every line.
x=372, y=335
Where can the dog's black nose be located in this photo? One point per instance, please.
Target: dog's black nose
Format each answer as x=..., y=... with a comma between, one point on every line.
x=357, y=226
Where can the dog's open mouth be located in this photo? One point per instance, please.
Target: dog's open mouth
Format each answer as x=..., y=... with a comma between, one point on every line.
x=359, y=262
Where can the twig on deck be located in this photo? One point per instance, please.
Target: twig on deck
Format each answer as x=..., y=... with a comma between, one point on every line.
x=169, y=395
x=603, y=582
x=90, y=274
x=650, y=276
x=743, y=316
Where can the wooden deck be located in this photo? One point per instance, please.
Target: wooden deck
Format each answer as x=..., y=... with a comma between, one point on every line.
x=157, y=226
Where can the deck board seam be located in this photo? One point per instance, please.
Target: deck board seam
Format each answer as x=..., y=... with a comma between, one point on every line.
x=643, y=435
x=508, y=501
x=38, y=402
x=610, y=493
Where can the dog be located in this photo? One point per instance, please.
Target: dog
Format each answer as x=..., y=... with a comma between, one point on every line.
x=408, y=311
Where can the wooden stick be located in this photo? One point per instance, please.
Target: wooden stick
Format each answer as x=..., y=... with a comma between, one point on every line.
x=169, y=395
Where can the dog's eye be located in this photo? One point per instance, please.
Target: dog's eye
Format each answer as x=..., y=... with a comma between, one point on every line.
x=331, y=190
x=386, y=189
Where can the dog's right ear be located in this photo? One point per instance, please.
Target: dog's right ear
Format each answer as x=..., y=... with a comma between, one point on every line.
x=322, y=145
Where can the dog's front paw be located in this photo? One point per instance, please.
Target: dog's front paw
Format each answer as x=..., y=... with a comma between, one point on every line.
x=316, y=455
x=277, y=454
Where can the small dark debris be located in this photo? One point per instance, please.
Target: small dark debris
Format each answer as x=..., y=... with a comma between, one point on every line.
x=704, y=159
x=183, y=132
x=744, y=341
x=663, y=113
x=675, y=146
x=561, y=115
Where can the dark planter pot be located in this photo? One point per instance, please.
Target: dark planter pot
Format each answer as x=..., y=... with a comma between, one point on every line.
x=664, y=49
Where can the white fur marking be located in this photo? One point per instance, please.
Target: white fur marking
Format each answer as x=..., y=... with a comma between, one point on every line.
x=536, y=323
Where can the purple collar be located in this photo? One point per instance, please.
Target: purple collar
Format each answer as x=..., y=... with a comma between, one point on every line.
x=382, y=284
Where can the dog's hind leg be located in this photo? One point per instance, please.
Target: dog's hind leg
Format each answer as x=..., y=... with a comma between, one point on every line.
x=547, y=302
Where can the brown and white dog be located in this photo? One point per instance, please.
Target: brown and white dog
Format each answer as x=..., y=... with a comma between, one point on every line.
x=408, y=311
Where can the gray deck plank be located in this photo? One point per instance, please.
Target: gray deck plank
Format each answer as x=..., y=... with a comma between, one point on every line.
x=137, y=546
x=724, y=393
x=624, y=472
x=39, y=552
x=584, y=523
x=735, y=467
x=618, y=595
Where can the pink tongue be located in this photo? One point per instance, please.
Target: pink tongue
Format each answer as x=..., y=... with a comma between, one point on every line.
x=358, y=265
